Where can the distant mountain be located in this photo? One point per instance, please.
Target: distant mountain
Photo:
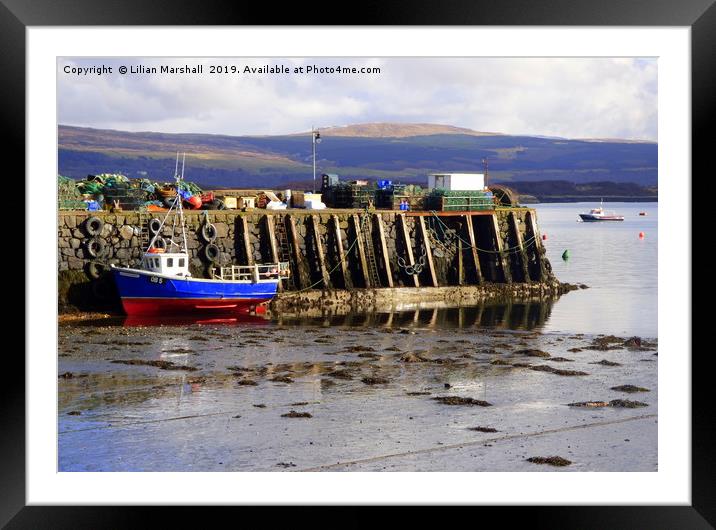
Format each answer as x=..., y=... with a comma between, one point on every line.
x=401, y=152
x=396, y=130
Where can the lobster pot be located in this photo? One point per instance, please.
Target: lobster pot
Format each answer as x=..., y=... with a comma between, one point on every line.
x=68, y=196
x=463, y=201
x=391, y=200
x=128, y=198
x=353, y=196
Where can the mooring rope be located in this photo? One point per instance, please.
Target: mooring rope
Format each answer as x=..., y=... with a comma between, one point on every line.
x=366, y=216
x=418, y=267
x=525, y=244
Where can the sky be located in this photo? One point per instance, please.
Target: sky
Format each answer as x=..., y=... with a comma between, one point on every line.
x=564, y=97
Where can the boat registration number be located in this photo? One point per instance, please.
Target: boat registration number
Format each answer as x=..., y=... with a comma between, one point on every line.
x=156, y=279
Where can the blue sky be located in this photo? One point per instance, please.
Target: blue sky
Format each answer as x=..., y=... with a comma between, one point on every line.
x=567, y=97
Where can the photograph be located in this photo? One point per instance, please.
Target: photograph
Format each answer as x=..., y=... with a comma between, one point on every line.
x=357, y=264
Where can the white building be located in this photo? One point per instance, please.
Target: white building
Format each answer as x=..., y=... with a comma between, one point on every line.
x=457, y=181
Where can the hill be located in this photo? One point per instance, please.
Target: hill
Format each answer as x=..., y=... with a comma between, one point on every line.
x=396, y=130
x=564, y=191
x=401, y=152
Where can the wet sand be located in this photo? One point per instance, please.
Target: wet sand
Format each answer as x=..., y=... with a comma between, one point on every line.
x=266, y=397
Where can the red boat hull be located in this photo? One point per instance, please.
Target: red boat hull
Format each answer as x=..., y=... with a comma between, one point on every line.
x=178, y=306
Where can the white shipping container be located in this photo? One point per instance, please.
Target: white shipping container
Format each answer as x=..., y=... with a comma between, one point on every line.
x=457, y=181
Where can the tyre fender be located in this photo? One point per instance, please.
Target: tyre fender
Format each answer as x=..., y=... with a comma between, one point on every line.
x=93, y=226
x=154, y=226
x=211, y=252
x=208, y=232
x=160, y=242
x=95, y=269
x=95, y=247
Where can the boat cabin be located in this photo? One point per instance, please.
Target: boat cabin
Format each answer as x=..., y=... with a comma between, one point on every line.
x=171, y=264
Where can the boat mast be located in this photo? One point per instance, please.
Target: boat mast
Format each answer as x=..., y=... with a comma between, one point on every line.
x=175, y=205
x=179, y=201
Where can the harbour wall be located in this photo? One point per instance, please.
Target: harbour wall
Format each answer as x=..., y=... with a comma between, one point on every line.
x=409, y=254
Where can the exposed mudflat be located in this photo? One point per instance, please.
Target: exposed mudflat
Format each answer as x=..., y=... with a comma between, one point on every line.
x=396, y=396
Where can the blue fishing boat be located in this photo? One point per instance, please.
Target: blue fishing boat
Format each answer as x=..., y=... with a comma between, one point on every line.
x=163, y=285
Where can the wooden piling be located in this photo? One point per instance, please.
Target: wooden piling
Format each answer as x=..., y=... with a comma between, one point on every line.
x=473, y=244
x=320, y=254
x=339, y=250
x=384, y=249
x=537, y=245
x=428, y=251
x=523, y=253
x=293, y=234
x=273, y=247
x=403, y=230
x=460, y=268
x=271, y=229
x=506, y=273
x=361, y=250
x=248, y=248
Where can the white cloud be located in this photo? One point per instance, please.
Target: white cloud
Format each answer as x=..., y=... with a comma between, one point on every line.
x=570, y=97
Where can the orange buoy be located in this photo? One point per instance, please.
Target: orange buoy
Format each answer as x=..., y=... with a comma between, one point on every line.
x=641, y=235
x=195, y=202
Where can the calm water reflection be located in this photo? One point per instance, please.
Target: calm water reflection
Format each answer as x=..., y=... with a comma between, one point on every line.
x=523, y=316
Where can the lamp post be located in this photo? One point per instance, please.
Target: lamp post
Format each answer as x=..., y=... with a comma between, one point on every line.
x=315, y=139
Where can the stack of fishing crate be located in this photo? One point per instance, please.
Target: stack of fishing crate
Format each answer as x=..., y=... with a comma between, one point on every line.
x=392, y=197
x=356, y=194
x=123, y=193
x=443, y=200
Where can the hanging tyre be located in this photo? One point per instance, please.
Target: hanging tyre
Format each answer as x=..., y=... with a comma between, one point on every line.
x=211, y=252
x=154, y=226
x=208, y=232
x=95, y=247
x=95, y=269
x=160, y=243
x=93, y=226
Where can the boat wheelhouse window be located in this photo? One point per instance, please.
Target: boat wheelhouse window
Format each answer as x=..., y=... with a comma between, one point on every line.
x=170, y=262
x=181, y=262
x=156, y=263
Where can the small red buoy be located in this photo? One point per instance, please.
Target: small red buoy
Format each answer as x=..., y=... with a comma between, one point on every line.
x=544, y=237
x=641, y=235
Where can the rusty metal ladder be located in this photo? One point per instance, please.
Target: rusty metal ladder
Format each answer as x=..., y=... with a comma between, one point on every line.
x=284, y=251
x=370, y=255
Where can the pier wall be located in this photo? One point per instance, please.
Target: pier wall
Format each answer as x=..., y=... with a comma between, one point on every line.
x=327, y=249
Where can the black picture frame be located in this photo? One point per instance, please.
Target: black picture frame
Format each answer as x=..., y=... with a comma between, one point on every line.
x=699, y=15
